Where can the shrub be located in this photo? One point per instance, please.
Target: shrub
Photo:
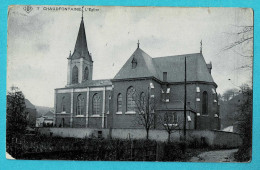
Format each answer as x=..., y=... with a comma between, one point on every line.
x=174, y=151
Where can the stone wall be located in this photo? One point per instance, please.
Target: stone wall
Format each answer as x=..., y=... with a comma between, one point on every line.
x=211, y=137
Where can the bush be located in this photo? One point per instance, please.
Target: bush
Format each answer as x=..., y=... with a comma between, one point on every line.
x=243, y=154
x=46, y=147
x=174, y=151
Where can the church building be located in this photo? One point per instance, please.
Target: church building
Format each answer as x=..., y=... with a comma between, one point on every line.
x=113, y=103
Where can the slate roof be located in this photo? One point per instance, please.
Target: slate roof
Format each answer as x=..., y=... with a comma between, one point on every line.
x=91, y=83
x=81, y=47
x=174, y=66
x=145, y=66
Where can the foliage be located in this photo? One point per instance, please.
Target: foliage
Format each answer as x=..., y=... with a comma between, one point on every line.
x=174, y=151
x=47, y=147
x=245, y=125
x=15, y=113
x=229, y=94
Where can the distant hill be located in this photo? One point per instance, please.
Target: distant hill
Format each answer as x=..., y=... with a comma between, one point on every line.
x=229, y=110
x=42, y=110
x=28, y=104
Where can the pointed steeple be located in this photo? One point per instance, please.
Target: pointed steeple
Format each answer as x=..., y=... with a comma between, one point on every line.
x=81, y=47
x=201, y=46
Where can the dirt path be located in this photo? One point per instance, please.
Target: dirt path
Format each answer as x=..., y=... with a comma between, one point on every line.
x=215, y=156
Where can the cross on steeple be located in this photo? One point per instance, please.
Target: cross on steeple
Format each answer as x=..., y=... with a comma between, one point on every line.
x=82, y=12
x=201, y=46
x=138, y=44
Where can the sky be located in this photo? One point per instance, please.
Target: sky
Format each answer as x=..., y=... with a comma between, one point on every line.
x=39, y=42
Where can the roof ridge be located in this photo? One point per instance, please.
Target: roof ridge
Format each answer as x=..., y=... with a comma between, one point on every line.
x=175, y=55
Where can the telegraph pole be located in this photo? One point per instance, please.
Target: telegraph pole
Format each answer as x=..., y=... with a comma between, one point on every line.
x=185, y=95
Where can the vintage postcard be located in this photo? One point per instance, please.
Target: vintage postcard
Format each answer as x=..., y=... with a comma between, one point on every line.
x=129, y=83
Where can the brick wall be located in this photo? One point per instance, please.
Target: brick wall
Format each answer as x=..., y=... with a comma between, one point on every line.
x=81, y=121
x=208, y=121
x=126, y=120
x=189, y=125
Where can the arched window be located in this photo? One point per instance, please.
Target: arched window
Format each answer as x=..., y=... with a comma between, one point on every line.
x=142, y=99
x=130, y=103
x=96, y=104
x=204, y=103
x=80, y=104
x=119, y=102
x=75, y=74
x=63, y=104
x=86, y=72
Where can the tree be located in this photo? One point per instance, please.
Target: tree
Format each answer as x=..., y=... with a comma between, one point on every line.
x=229, y=94
x=245, y=124
x=15, y=114
x=242, y=43
x=169, y=123
x=145, y=105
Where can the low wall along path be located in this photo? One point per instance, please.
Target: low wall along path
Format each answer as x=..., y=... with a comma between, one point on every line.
x=210, y=137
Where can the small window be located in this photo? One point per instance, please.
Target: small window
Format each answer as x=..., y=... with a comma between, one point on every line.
x=197, y=89
x=189, y=118
x=168, y=90
x=119, y=102
x=134, y=63
x=151, y=85
x=164, y=76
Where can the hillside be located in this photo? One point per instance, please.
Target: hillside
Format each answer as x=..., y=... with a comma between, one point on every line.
x=41, y=110
x=229, y=110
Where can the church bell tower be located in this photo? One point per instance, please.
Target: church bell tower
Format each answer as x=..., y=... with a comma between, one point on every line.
x=80, y=63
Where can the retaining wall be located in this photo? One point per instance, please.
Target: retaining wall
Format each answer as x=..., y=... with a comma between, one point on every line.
x=211, y=137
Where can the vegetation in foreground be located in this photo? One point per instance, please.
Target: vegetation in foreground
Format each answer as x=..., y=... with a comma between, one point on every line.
x=39, y=147
x=244, y=153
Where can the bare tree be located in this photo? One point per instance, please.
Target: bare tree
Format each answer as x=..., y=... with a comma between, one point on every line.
x=244, y=34
x=169, y=123
x=242, y=43
x=145, y=108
